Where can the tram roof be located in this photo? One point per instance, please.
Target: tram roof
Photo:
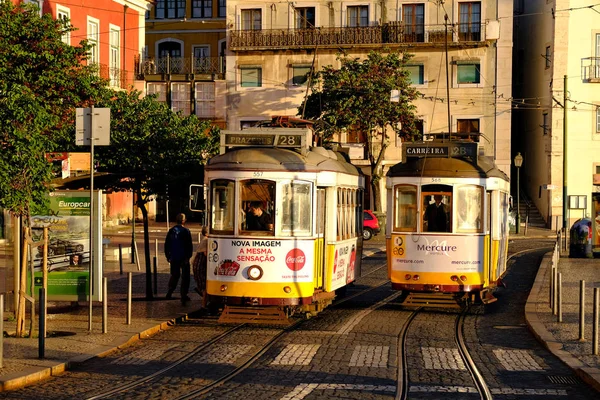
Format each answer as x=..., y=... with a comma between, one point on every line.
x=484, y=167
x=276, y=159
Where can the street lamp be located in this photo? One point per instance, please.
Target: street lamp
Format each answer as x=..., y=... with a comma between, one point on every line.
x=518, y=163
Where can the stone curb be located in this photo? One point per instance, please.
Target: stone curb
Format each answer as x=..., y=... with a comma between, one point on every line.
x=591, y=376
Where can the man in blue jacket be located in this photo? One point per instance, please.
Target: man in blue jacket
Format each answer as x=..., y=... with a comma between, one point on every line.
x=178, y=250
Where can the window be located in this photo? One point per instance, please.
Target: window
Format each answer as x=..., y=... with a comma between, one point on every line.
x=469, y=209
x=222, y=204
x=548, y=57
x=546, y=125
x=251, y=20
x=300, y=74
x=201, y=8
x=469, y=21
x=597, y=119
x=405, y=208
x=222, y=8
x=160, y=9
x=93, y=31
x=201, y=59
x=257, y=194
x=115, y=56
x=466, y=126
x=467, y=73
x=180, y=97
x=63, y=14
x=419, y=127
x=296, y=207
x=305, y=17
x=40, y=6
x=175, y=8
x=171, y=49
x=413, y=18
x=358, y=16
x=416, y=74
x=159, y=89
x=251, y=76
x=205, y=99
x=437, y=208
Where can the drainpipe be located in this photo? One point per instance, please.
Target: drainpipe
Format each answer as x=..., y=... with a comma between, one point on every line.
x=125, y=7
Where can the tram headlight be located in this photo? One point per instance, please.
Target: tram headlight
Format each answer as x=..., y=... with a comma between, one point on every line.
x=416, y=277
x=287, y=289
x=463, y=278
x=407, y=277
x=255, y=272
x=223, y=288
x=454, y=278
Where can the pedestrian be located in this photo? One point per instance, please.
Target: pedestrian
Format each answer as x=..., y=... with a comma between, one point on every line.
x=436, y=216
x=178, y=250
x=199, y=266
x=261, y=220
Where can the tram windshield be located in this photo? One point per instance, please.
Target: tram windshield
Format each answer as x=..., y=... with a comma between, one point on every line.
x=257, y=205
x=405, y=208
x=437, y=208
x=296, y=209
x=222, y=207
x=469, y=208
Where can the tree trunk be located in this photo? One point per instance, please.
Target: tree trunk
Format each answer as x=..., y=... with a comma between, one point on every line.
x=22, y=284
x=142, y=206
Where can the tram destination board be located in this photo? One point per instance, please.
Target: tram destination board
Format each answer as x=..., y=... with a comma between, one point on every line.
x=286, y=138
x=440, y=150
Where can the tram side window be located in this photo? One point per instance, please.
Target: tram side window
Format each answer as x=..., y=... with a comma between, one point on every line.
x=257, y=206
x=296, y=208
x=405, y=208
x=437, y=206
x=469, y=209
x=222, y=205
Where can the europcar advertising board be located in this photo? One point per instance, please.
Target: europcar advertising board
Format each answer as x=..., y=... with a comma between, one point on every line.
x=68, y=225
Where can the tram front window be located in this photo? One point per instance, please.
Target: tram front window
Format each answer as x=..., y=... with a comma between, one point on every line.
x=469, y=208
x=405, y=208
x=296, y=209
x=437, y=206
x=222, y=198
x=257, y=208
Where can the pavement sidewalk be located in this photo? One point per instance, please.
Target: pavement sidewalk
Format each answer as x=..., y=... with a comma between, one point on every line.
x=73, y=343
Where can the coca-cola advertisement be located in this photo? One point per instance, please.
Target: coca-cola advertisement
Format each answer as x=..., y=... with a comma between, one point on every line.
x=350, y=271
x=227, y=268
x=295, y=259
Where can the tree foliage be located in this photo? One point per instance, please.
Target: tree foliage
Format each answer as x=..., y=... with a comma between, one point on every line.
x=42, y=80
x=357, y=97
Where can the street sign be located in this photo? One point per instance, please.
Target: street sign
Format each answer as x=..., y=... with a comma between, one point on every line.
x=100, y=130
x=548, y=186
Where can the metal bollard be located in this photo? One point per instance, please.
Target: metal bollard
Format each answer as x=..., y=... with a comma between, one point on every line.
x=559, y=298
x=120, y=259
x=551, y=291
x=555, y=291
x=155, y=276
x=42, y=325
x=582, y=311
x=129, y=298
x=595, y=324
x=105, y=305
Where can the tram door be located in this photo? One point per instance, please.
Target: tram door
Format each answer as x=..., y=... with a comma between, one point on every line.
x=436, y=208
x=320, y=240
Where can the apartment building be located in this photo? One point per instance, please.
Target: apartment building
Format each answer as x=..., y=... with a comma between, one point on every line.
x=462, y=62
x=183, y=61
x=557, y=108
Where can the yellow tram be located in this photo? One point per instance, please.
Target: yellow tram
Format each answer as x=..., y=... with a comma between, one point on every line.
x=447, y=224
x=285, y=223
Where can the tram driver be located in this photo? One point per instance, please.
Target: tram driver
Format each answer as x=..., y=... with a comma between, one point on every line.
x=436, y=216
x=261, y=220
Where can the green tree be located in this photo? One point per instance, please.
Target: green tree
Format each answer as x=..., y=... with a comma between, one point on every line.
x=151, y=147
x=42, y=80
x=357, y=97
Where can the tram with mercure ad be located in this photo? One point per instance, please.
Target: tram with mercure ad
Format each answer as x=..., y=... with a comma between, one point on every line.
x=447, y=225
x=285, y=224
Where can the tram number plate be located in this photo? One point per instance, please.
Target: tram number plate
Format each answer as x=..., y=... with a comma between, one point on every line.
x=289, y=140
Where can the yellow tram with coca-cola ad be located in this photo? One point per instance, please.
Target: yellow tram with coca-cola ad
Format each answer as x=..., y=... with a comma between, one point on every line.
x=285, y=223
x=447, y=224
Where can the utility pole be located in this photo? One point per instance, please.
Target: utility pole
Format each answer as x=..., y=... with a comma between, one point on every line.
x=565, y=156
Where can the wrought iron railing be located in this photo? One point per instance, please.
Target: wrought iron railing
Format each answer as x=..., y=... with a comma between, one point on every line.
x=181, y=65
x=590, y=68
x=117, y=77
x=389, y=33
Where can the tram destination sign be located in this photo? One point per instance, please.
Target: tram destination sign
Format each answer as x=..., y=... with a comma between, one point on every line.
x=281, y=137
x=440, y=150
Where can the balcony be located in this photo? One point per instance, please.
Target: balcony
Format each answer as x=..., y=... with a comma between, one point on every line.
x=392, y=33
x=181, y=65
x=590, y=69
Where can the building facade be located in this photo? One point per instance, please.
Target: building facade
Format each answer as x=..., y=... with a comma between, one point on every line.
x=557, y=108
x=273, y=45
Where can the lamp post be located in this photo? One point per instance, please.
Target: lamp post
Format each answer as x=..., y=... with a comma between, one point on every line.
x=518, y=163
